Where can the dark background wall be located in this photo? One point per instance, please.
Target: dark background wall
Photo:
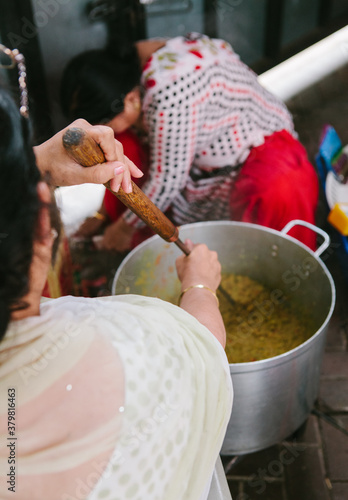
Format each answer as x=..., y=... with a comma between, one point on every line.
x=51, y=32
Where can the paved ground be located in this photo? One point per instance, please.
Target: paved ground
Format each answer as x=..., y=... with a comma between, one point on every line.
x=316, y=465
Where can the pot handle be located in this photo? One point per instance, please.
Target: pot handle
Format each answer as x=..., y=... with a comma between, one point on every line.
x=298, y=222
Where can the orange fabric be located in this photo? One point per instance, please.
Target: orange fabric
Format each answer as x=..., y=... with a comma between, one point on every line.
x=60, y=276
x=277, y=184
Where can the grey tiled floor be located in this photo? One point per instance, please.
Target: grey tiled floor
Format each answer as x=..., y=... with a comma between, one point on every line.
x=317, y=454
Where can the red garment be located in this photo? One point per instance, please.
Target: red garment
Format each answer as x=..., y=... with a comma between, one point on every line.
x=277, y=184
x=136, y=152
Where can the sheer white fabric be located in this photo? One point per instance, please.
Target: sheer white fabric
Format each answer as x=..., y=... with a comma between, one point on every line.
x=116, y=398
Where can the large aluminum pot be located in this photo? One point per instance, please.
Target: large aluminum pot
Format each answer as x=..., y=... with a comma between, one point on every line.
x=274, y=396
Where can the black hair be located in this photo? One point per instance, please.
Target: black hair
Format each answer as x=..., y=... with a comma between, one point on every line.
x=95, y=83
x=19, y=207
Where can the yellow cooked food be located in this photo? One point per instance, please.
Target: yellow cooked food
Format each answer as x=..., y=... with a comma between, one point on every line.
x=261, y=324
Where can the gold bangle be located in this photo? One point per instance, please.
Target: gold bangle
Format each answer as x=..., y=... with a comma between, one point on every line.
x=98, y=215
x=198, y=286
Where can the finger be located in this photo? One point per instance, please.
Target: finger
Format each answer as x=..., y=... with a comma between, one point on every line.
x=190, y=245
x=104, y=136
x=115, y=159
x=126, y=182
x=119, y=151
x=125, y=179
x=134, y=170
x=102, y=173
x=113, y=149
x=115, y=183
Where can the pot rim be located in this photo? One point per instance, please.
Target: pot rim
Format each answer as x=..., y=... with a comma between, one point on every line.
x=275, y=360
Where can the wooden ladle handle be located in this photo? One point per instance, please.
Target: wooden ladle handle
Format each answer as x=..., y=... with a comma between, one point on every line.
x=86, y=152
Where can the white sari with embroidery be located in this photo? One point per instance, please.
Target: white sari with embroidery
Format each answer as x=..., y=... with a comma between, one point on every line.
x=116, y=398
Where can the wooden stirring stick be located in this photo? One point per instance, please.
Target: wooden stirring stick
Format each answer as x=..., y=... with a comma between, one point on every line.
x=86, y=152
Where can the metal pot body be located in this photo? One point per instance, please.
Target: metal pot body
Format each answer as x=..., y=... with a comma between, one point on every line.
x=274, y=396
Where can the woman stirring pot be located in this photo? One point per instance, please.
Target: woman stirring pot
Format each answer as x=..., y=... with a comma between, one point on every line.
x=113, y=397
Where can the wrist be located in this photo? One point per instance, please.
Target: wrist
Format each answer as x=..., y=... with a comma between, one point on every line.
x=43, y=158
x=198, y=287
x=193, y=281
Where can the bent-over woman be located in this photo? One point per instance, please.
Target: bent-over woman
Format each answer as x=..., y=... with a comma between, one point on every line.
x=221, y=147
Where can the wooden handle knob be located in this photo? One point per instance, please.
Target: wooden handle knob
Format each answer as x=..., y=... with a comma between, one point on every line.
x=86, y=152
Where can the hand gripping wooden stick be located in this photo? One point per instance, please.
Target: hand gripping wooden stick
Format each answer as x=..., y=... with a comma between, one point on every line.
x=86, y=152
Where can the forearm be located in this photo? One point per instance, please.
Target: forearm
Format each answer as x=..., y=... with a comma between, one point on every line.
x=202, y=304
x=43, y=161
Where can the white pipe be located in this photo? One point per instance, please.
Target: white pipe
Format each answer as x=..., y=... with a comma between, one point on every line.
x=306, y=68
